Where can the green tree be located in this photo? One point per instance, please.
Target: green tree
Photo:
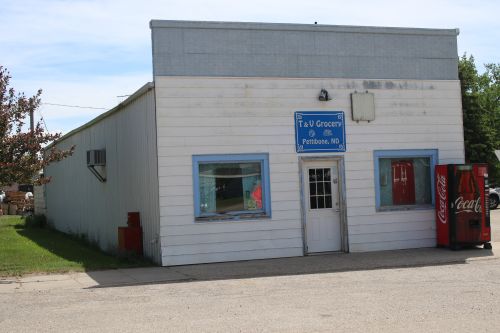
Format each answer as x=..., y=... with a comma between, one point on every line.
x=481, y=112
x=22, y=153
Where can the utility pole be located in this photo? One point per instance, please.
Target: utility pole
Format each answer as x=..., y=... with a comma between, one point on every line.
x=32, y=122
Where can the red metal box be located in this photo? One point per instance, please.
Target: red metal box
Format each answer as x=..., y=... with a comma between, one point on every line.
x=130, y=239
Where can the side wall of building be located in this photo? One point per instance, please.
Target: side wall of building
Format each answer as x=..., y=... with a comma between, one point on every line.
x=78, y=203
x=201, y=115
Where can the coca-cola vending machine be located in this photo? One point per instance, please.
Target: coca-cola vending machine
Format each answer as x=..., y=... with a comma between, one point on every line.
x=462, y=208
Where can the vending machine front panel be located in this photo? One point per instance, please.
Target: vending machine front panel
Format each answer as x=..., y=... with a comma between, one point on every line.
x=466, y=212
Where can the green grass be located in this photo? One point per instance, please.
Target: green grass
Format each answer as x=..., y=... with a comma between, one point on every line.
x=43, y=250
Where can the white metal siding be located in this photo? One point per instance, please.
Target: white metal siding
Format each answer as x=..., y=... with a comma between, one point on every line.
x=200, y=115
x=78, y=203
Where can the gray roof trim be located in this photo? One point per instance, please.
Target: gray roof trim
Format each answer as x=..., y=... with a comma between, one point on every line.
x=138, y=93
x=300, y=27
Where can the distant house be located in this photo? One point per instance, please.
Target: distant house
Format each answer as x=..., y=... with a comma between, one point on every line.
x=17, y=187
x=259, y=140
x=10, y=188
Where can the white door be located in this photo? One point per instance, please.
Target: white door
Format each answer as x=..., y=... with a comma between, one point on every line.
x=321, y=182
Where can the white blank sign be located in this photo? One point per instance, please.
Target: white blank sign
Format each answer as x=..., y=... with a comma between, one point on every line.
x=363, y=106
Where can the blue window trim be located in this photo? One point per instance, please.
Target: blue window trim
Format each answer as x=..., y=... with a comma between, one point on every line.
x=263, y=158
x=403, y=153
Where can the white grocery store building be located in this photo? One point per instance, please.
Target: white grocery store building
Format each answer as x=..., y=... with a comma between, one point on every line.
x=260, y=140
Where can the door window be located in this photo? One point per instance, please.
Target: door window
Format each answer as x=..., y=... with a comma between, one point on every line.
x=320, y=188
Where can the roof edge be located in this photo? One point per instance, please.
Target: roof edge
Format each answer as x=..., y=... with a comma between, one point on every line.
x=138, y=93
x=299, y=27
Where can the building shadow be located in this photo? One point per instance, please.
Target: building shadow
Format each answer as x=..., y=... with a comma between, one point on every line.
x=142, y=272
x=326, y=263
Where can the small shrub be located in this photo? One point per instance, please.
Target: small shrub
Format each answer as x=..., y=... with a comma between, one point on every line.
x=35, y=221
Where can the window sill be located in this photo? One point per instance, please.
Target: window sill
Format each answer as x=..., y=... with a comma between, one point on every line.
x=232, y=218
x=404, y=208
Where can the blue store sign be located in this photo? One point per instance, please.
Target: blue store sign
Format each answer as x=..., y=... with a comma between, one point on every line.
x=320, y=132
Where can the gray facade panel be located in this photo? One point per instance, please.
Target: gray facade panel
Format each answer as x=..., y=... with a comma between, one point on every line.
x=284, y=50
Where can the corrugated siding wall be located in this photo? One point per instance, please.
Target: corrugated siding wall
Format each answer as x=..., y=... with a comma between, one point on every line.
x=78, y=203
x=249, y=115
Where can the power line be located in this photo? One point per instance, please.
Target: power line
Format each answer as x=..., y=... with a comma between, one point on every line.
x=75, y=106
x=43, y=120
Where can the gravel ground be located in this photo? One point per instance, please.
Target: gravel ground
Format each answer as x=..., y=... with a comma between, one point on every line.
x=459, y=297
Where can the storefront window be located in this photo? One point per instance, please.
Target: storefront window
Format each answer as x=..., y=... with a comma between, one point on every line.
x=231, y=186
x=404, y=178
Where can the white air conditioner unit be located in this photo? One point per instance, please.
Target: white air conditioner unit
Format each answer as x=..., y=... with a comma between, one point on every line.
x=96, y=157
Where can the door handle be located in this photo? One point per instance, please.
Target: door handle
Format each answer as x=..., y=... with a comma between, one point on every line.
x=337, y=210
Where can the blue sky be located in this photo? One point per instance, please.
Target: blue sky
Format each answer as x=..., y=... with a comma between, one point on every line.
x=89, y=52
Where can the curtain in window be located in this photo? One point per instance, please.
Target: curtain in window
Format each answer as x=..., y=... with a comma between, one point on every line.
x=207, y=189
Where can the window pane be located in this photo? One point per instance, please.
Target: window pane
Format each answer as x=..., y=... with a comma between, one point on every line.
x=385, y=182
x=312, y=188
x=320, y=187
x=230, y=187
x=328, y=201
x=326, y=175
x=321, y=202
x=312, y=175
x=313, y=201
x=319, y=174
x=328, y=188
x=422, y=168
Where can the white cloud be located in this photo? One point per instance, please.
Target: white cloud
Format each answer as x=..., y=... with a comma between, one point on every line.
x=88, y=52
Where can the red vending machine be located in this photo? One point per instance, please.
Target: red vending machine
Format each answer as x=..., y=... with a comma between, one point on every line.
x=462, y=208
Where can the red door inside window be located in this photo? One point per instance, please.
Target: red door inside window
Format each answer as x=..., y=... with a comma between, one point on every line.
x=403, y=183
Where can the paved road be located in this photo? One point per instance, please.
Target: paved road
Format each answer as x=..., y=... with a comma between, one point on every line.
x=460, y=297
x=495, y=224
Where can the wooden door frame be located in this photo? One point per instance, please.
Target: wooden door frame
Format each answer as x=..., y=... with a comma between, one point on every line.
x=344, y=241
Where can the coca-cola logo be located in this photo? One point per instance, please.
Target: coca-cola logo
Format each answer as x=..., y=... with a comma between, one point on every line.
x=441, y=190
x=467, y=206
